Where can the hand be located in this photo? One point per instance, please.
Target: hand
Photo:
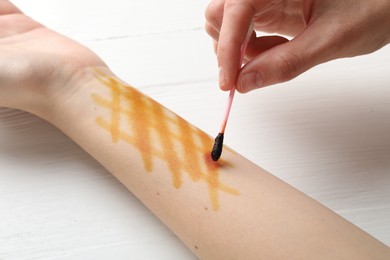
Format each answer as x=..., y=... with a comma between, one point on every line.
x=323, y=30
x=36, y=64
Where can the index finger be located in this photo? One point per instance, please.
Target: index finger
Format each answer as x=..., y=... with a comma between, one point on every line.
x=235, y=25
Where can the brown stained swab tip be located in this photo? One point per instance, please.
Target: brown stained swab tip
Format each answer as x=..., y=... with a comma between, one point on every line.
x=218, y=144
x=217, y=147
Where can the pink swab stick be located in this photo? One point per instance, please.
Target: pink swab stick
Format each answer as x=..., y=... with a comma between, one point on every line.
x=233, y=90
x=218, y=144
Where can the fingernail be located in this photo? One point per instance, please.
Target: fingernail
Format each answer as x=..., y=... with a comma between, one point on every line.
x=222, y=78
x=250, y=80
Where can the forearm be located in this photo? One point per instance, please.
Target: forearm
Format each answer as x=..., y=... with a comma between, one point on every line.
x=226, y=210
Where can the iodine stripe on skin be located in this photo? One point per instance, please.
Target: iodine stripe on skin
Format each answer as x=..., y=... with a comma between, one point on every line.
x=171, y=158
x=142, y=119
x=157, y=133
x=115, y=115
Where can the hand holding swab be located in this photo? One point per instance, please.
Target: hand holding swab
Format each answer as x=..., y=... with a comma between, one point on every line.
x=218, y=144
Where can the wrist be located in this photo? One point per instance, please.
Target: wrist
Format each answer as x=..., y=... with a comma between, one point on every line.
x=68, y=96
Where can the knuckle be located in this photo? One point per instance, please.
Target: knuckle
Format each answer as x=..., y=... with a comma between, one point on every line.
x=223, y=46
x=209, y=29
x=229, y=43
x=213, y=12
x=288, y=66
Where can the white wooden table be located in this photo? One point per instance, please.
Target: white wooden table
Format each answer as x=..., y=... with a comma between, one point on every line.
x=327, y=133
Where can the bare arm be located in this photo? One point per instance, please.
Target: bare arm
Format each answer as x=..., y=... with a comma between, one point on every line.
x=227, y=210
x=230, y=209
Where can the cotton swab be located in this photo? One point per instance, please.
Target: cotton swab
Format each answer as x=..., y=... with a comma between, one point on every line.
x=218, y=143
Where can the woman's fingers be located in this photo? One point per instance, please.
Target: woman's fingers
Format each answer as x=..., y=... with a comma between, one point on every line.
x=286, y=60
x=236, y=22
x=326, y=30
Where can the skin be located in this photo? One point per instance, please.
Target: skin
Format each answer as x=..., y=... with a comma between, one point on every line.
x=208, y=205
x=321, y=31
x=36, y=63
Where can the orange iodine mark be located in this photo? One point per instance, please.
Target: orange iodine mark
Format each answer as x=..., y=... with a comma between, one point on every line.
x=156, y=132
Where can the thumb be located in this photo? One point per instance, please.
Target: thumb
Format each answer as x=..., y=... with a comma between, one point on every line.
x=286, y=61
